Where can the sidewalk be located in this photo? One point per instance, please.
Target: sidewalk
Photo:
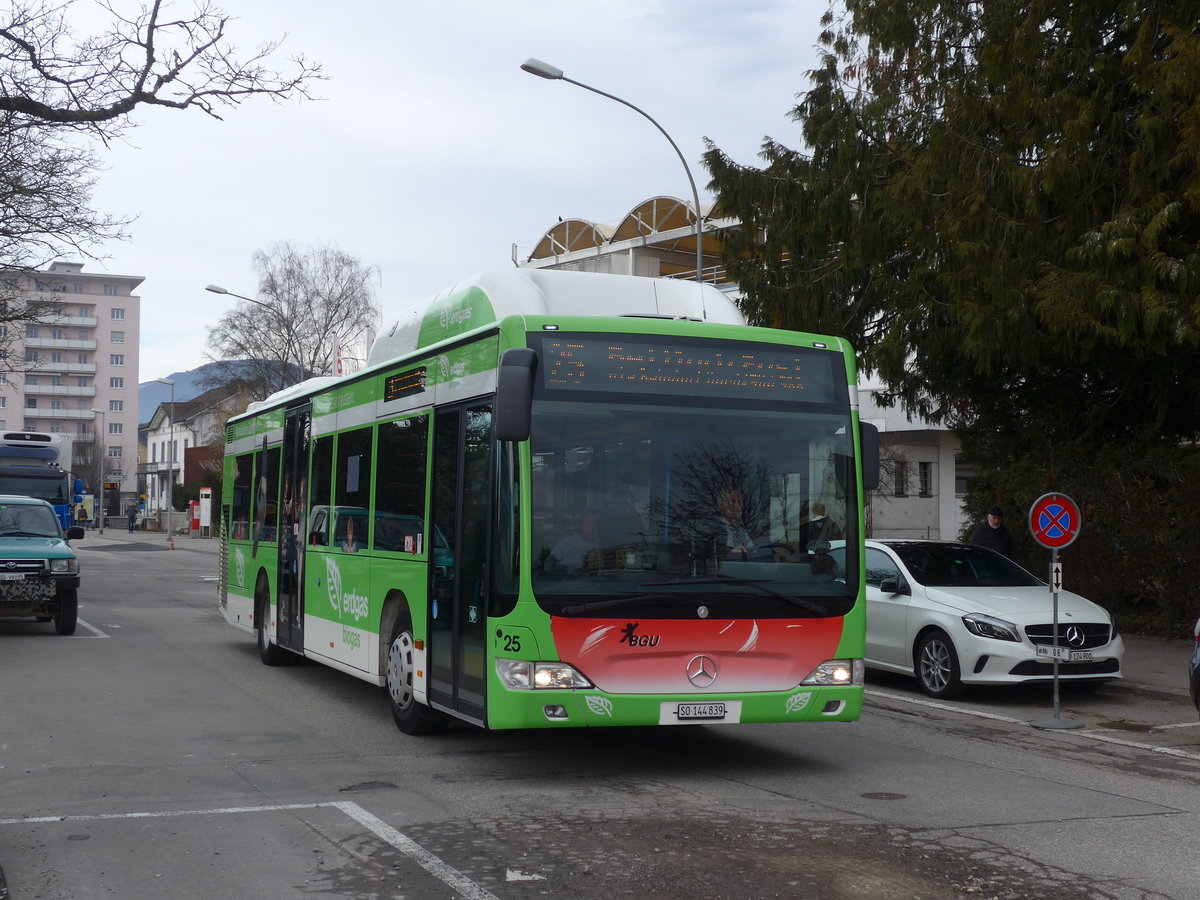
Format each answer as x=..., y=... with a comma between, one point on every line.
x=121, y=534
x=1151, y=664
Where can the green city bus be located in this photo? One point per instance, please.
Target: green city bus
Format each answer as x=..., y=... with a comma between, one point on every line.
x=556, y=499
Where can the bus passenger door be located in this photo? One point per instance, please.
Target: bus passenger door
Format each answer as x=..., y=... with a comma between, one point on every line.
x=293, y=520
x=458, y=540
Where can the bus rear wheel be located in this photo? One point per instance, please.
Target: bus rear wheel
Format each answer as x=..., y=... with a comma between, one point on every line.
x=412, y=717
x=268, y=651
x=66, y=613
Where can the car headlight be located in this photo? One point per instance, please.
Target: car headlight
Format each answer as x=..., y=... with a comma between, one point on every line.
x=990, y=627
x=837, y=671
x=523, y=675
x=64, y=566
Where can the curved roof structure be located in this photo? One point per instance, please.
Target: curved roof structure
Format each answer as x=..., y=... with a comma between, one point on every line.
x=570, y=235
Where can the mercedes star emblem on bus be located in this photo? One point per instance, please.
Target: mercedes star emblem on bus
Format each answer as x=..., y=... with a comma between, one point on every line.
x=702, y=671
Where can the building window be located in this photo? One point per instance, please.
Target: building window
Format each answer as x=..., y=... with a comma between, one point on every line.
x=77, y=287
x=116, y=405
x=55, y=357
x=925, y=477
x=32, y=332
x=83, y=334
x=117, y=312
x=57, y=334
x=85, y=312
x=3, y=402
x=3, y=331
x=56, y=380
x=56, y=404
x=31, y=379
x=118, y=337
x=116, y=383
x=114, y=452
x=55, y=427
x=116, y=428
x=901, y=478
x=83, y=359
x=31, y=402
x=81, y=381
x=110, y=290
x=41, y=285
x=4, y=379
x=116, y=359
x=31, y=356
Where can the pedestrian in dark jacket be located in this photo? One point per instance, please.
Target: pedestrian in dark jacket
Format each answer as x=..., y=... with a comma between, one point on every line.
x=993, y=535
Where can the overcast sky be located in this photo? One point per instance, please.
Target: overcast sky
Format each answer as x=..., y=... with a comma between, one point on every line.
x=431, y=152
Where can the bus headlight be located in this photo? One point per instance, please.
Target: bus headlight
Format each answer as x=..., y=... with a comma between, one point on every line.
x=837, y=672
x=64, y=566
x=523, y=675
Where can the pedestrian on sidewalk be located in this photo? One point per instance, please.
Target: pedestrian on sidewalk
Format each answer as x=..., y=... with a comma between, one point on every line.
x=131, y=514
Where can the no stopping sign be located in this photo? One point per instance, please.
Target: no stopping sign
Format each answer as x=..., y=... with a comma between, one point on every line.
x=1054, y=520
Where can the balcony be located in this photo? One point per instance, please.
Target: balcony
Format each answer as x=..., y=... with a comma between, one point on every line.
x=44, y=365
x=41, y=412
x=70, y=321
x=58, y=390
x=50, y=343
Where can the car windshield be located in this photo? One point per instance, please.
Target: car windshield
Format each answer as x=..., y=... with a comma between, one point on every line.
x=961, y=565
x=27, y=520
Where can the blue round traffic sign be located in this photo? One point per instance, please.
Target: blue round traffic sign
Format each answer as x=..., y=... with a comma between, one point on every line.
x=1054, y=520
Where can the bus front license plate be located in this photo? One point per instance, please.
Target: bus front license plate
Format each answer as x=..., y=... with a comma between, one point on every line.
x=693, y=711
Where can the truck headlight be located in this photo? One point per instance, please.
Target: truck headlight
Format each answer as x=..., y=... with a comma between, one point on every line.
x=64, y=566
x=523, y=675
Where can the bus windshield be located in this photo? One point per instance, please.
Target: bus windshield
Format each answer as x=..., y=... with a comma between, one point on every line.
x=722, y=506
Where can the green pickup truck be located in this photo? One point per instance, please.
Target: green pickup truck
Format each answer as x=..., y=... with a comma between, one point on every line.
x=39, y=574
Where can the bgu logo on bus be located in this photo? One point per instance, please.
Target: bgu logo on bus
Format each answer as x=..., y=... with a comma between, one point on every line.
x=350, y=604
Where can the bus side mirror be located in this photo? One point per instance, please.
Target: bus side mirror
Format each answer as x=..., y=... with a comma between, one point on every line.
x=514, y=394
x=869, y=435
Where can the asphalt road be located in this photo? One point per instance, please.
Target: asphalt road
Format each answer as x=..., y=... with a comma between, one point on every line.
x=152, y=755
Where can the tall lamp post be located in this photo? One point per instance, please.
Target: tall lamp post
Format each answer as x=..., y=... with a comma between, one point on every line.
x=103, y=465
x=289, y=334
x=545, y=70
x=170, y=463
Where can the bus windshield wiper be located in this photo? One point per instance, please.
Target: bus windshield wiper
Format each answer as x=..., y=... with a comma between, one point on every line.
x=621, y=601
x=757, y=583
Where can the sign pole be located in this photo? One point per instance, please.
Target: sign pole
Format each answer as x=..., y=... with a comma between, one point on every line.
x=1054, y=521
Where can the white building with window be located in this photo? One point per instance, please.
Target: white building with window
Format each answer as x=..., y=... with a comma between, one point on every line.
x=80, y=356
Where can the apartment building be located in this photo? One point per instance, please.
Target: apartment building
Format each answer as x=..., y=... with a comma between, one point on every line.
x=76, y=366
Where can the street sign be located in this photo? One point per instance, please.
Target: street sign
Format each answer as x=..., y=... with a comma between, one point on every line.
x=1054, y=520
x=1056, y=577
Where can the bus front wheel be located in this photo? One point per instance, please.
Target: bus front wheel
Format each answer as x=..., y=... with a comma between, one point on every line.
x=412, y=717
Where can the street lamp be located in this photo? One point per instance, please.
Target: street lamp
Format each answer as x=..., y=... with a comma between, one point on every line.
x=102, y=467
x=170, y=462
x=289, y=334
x=545, y=70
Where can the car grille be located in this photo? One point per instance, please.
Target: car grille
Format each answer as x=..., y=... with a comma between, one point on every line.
x=24, y=566
x=1095, y=634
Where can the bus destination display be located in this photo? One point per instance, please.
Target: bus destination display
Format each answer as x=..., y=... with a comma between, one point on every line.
x=671, y=366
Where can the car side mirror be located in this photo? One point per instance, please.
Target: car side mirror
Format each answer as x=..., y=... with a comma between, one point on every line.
x=75, y=533
x=893, y=586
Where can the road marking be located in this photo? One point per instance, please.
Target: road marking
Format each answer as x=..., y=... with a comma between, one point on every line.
x=92, y=628
x=445, y=873
x=1088, y=733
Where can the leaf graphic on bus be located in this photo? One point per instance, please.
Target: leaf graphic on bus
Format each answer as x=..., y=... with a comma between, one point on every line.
x=333, y=577
x=797, y=702
x=601, y=706
x=239, y=561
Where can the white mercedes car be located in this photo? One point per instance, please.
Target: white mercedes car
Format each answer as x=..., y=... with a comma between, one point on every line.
x=954, y=615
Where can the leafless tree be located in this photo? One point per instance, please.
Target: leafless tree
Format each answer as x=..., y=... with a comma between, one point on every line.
x=61, y=93
x=308, y=299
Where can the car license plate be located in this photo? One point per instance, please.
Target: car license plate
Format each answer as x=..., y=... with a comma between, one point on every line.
x=12, y=576
x=700, y=711
x=1080, y=656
